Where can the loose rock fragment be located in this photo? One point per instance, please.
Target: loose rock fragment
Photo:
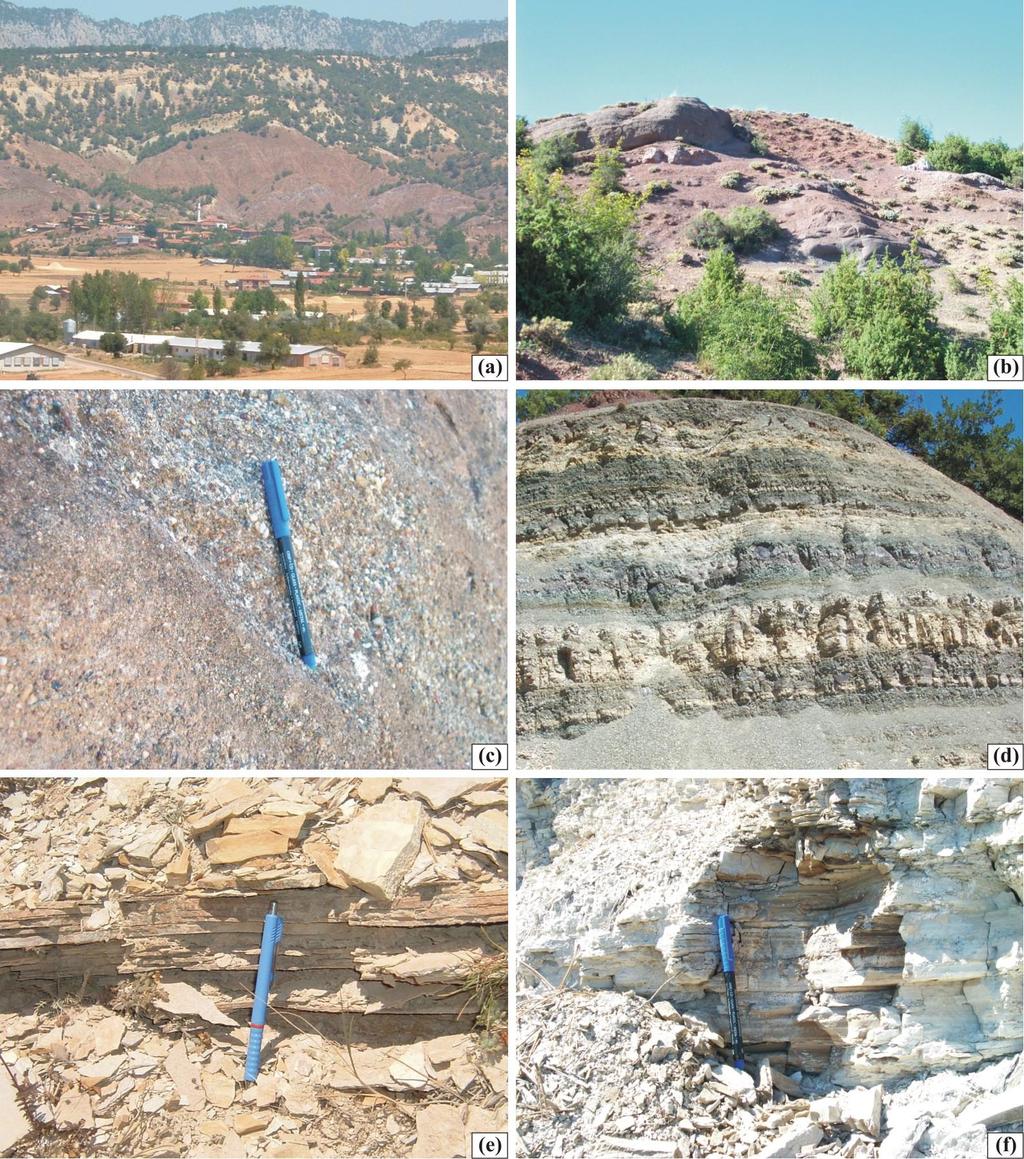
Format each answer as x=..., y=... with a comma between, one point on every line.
x=245, y=847
x=379, y=846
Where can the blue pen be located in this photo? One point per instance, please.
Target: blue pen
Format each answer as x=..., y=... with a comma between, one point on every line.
x=729, y=970
x=273, y=928
x=281, y=525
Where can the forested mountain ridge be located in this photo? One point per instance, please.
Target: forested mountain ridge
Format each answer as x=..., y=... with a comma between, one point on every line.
x=270, y=27
x=78, y=114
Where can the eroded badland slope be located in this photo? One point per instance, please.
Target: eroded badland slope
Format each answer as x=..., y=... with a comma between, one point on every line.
x=833, y=189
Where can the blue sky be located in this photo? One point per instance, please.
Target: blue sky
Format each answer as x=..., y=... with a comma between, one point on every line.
x=404, y=11
x=953, y=64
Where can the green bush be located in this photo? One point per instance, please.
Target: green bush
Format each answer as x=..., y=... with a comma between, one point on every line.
x=522, y=135
x=625, y=367
x=577, y=257
x=609, y=169
x=880, y=319
x=957, y=154
x=751, y=228
x=731, y=180
x=655, y=189
x=905, y=155
x=739, y=331
x=708, y=231
x=555, y=154
x=767, y=194
x=914, y=136
x=1006, y=326
x=549, y=333
x=746, y=230
x=963, y=361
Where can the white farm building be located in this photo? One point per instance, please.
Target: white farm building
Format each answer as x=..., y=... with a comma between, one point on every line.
x=20, y=356
x=180, y=346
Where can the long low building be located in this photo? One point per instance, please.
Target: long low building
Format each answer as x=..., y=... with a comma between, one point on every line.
x=181, y=346
x=20, y=356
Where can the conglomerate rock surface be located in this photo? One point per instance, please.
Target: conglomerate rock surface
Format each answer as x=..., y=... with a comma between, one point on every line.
x=144, y=621
x=740, y=584
x=878, y=944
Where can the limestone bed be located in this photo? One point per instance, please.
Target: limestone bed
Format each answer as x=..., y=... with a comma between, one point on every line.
x=878, y=960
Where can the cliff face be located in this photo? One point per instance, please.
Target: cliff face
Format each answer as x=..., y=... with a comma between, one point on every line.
x=744, y=560
x=877, y=920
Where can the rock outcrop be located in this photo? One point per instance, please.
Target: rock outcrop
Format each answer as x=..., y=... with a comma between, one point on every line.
x=689, y=565
x=633, y=125
x=878, y=921
x=132, y=909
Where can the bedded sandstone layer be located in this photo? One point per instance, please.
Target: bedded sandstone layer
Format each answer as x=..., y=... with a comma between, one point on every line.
x=735, y=559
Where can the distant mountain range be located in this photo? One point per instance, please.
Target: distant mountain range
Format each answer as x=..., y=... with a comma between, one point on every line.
x=261, y=28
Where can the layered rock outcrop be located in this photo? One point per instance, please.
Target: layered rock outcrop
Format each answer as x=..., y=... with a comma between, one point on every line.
x=739, y=559
x=878, y=920
x=131, y=916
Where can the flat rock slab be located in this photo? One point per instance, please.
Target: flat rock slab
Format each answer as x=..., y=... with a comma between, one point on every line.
x=185, y=999
x=803, y=1133
x=264, y=823
x=14, y=1124
x=185, y=1075
x=379, y=847
x=245, y=847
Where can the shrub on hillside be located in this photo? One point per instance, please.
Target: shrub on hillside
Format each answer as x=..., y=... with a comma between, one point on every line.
x=731, y=180
x=625, y=367
x=740, y=331
x=608, y=171
x=656, y=189
x=880, y=319
x=914, y=136
x=768, y=194
x=577, y=257
x=1006, y=326
x=751, y=228
x=746, y=230
x=708, y=231
x=555, y=154
x=957, y=154
x=548, y=333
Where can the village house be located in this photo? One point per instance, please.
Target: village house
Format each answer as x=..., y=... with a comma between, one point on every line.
x=181, y=346
x=22, y=356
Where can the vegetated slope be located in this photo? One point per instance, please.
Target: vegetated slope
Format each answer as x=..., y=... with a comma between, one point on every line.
x=143, y=618
x=287, y=26
x=707, y=583
x=266, y=130
x=878, y=975
x=833, y=189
